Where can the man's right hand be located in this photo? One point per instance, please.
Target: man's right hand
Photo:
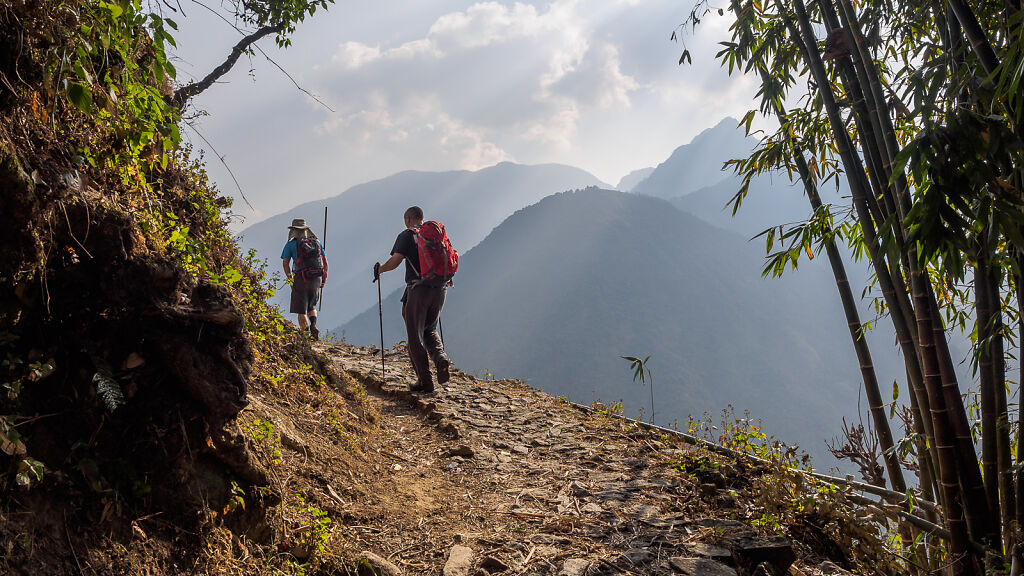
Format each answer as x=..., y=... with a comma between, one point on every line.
x=376, y=271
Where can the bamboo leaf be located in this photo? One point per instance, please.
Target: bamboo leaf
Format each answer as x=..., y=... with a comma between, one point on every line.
x=899, y=163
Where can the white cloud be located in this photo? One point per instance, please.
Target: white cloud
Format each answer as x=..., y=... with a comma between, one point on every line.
x=616, y=85
x=355, y=54
x=492, y=73
x=558, y=129
x=410, y=50
x=596, y=81
x=488, y=23
x=415, y=121
x=467, y=146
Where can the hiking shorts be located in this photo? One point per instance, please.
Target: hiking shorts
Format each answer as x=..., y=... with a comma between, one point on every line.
x=304, y=295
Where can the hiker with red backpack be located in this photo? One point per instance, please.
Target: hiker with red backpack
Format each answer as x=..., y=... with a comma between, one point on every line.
x=430, y=263
x=307, y=274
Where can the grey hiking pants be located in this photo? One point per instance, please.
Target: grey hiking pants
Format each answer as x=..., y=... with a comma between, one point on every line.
x=421, y=309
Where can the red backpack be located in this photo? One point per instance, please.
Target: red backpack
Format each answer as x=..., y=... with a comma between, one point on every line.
x=437, y=257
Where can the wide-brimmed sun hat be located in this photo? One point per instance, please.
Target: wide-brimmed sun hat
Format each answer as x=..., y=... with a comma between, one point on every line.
x=299, y=224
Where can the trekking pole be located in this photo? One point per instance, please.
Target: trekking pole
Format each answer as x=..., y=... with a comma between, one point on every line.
x=440, y=330
x=380, y=313
x=320, y=305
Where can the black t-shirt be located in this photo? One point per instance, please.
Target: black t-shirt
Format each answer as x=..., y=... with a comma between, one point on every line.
x=405, y=245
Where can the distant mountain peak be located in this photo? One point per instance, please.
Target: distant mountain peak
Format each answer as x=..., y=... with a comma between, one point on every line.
x=629, y=181
x=728, y=121
x=698, y=164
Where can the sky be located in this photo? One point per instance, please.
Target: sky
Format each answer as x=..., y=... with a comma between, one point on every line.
x=450, y=85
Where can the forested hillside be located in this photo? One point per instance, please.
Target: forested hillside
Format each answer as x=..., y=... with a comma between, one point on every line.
x=133, y=333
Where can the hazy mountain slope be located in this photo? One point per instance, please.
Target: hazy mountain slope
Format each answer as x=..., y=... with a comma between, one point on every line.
x=773, y=201
x=769, y=202
x=364, y=220
x=629, y=181
x=697, y=164
x=563, y=288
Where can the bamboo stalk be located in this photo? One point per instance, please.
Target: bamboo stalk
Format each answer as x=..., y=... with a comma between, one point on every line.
x=980, y=517
x=925, y=449
x=976, y=511
x=890, y=496
x=1019, y=470
x=863, y=351
x=1008, y=498
x=986, y=377
x=975, y=35
x=894, y=291
x=887, y=143
x=947, y=455
x=873, y=123
x=854, y=78
x=944, y=438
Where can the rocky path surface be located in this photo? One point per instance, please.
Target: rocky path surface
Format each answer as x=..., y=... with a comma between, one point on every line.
x=494, y=477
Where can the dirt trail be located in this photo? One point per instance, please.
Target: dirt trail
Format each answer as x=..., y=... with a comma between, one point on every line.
x=495, y=477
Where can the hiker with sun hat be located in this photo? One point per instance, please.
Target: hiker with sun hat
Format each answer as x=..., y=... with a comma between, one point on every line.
x=305, y=267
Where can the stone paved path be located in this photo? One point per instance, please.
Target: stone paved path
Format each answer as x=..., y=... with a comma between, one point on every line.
x=493, y=477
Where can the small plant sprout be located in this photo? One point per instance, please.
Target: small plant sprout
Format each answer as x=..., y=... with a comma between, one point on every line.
x=643, y=373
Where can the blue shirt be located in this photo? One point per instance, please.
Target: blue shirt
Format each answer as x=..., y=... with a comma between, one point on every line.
x=291, y=252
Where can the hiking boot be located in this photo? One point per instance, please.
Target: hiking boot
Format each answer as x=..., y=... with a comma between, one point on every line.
x=420, y=387
x=314, y=334
x=442, y=369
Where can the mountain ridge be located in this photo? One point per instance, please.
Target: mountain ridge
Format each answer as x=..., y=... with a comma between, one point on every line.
x=698, y=163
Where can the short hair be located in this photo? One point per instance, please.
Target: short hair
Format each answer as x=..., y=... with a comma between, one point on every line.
x=414, y=213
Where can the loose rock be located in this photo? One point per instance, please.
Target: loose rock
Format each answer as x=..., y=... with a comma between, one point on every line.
x=493, y=565
x=574, y=567
x=750, y=552
x=370, y=564
x=460, y=560
x=462, y=450
x=710, y=551
x=635, y=557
